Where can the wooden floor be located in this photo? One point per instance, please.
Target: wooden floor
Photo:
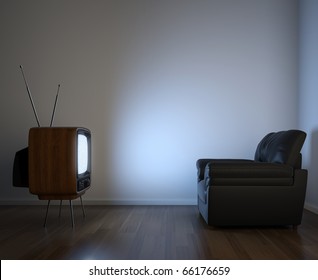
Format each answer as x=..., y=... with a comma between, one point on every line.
x=145, y=232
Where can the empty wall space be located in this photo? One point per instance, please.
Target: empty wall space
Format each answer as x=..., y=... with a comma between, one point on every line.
x=159, y=83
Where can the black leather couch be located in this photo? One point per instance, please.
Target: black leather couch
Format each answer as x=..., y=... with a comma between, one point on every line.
x=269, y=190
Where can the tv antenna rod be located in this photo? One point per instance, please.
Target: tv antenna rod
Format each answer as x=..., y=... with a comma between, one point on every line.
x=54, y=108
x=30, y=96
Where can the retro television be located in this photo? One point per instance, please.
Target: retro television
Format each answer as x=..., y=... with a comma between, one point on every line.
x=56, y=165
x=59, y=162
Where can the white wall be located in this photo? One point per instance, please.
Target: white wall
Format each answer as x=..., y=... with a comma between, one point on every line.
x=309, y=95
x=159, y=83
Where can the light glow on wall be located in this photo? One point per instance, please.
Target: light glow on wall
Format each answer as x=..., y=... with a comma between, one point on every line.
x=159, y=83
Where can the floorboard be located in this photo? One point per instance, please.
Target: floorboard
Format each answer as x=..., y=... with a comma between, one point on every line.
x=146, y=232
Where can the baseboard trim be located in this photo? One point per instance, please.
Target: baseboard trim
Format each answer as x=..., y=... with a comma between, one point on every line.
x=311, y=208
x=142, y=202
x=106, y=202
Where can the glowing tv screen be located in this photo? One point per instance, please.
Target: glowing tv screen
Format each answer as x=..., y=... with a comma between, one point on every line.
x=82, y=153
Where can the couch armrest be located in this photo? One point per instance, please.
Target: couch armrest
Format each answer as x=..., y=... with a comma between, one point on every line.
x=202, y=163
x=248, y=173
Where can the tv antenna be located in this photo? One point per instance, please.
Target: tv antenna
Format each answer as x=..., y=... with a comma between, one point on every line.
x=54, y=108
x=30, y=96
x=32, y=103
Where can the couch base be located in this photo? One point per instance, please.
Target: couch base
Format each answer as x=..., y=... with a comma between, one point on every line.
x=255, y=205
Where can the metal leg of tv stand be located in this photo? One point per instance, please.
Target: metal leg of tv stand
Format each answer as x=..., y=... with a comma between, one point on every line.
x=84, y=215
x=47, y=211
x=71, y=209
x=72, y=215
x=60, y=208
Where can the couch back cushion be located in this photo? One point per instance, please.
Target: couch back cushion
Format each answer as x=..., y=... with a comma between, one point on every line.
x=281, y=147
